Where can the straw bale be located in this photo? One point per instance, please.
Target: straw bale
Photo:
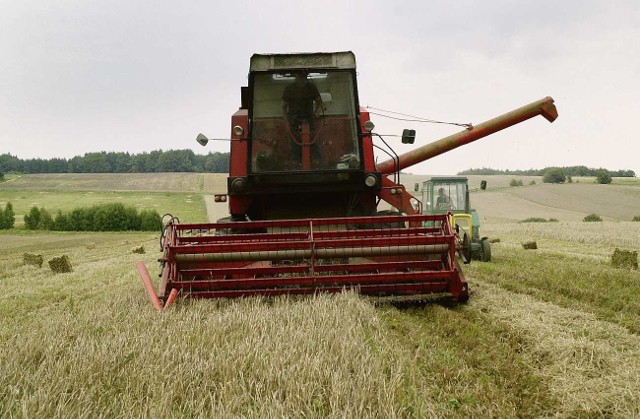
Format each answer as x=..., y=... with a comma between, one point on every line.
x=626, y=259
x=60, y=264
x=31, y=259
x=139, y=250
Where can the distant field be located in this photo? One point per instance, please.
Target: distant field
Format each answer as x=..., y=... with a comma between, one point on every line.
x=618, y=201
x=180, y=194
x=188, y=195
x=152, y=182
x=547, y=332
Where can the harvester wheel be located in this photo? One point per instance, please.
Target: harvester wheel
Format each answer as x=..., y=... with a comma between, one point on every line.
x=485, y=255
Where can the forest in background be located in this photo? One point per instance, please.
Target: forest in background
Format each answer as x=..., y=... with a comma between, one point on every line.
x=188, y=161
x=119, y=162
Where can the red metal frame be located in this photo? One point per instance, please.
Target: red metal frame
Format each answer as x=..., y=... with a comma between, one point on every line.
x=379, y=256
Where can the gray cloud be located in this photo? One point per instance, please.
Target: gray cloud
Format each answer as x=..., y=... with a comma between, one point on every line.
x=136, y=76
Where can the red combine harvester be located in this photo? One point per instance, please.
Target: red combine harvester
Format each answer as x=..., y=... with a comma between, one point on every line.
x=303, y=195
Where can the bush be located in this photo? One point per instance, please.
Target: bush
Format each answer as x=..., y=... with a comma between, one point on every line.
x=32, y=219
x=46, y=220
x=7, y=217
x=533, y=182
x=150, y=220
x=38, y=219
x=516, y=182
x=636, y=218
x=554, y=175
x=592, y=218
x=106, y=217
x=603, y=177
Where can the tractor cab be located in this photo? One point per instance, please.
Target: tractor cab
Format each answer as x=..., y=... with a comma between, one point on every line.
x=451, y=194
x=443, y=194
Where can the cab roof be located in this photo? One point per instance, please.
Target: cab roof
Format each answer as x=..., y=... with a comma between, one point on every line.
x=303, y=61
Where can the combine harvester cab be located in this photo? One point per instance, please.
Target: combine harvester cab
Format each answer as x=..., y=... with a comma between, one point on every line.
x=303, y=193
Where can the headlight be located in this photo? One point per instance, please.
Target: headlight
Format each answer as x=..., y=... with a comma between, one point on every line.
x=238, y=131
x=370, y=180
x=239, y=184
x=369, y=126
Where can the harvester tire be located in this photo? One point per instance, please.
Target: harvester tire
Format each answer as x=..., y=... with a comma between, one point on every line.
x=485, y=254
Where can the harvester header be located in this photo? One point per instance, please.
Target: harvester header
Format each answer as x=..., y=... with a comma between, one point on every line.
x=303, y=194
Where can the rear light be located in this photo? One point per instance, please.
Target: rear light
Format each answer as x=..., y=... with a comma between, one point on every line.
x=220, y=198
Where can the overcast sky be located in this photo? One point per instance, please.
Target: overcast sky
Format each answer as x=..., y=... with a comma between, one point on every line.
x=135, y=76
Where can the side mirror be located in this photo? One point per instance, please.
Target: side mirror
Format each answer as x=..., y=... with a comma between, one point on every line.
x=408, y=136
x=202, y=140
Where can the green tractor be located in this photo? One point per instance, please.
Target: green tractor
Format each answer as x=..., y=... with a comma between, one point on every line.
x=451, y=194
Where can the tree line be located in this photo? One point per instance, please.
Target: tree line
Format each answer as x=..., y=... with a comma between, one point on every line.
x=567, y=170
x=119, y=162
x=104, y=217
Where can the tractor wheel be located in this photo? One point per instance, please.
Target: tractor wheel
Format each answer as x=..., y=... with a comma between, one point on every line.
x=485, y=254
x=466, y=248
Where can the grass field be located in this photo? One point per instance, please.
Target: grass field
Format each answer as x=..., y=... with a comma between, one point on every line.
x=180, y=194
x=547, y=332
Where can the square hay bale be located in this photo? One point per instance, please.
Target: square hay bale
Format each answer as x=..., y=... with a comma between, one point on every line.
x=625, y=259
x=31, y=259
x=60, y=265
x=139, y=250
x=529, y=245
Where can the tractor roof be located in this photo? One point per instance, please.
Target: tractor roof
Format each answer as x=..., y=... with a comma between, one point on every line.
x=303, y=61
x=439, y=179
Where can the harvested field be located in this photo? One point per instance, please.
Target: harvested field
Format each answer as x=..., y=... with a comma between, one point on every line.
x=548, y=332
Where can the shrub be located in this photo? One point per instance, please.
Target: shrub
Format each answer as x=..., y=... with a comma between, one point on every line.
x=516, y=182
x=150, y=220
x=592, y=218
x=636, y=218
x=603, y=177
x=46, y=220
x=106, y=217
x=533, y=182
x=32, y=219
x=7, y=217
x=554, y=175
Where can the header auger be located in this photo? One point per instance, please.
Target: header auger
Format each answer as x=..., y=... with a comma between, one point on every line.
x=303, y=193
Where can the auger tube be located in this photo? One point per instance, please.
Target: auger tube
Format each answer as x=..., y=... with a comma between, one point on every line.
x=544, y=107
